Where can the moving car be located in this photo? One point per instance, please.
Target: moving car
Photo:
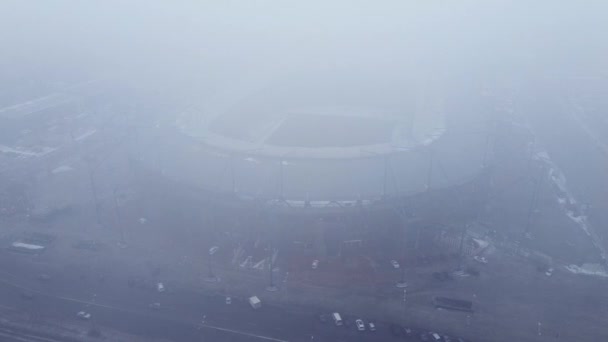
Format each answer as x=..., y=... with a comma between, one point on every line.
x=337, y=318
x=228, y=300
x=154, y=306
x=83, y=315
x=435, y=337
x=549, y=272
x=360, y=325
x=395, y=264
x=160, y=287
x=255, y=302
x=315, y=264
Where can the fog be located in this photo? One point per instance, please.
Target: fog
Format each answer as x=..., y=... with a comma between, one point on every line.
x=303, y=170
x=196, y=42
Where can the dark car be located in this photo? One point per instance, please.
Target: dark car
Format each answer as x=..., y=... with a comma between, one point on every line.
x=27, y=295
x=407, y=332
x=323, y=318
x=396, y=330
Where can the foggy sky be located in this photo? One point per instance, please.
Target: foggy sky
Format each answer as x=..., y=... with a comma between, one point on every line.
x=192, y=41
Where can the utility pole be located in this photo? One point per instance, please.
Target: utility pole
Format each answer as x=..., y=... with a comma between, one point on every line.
x=384, y=179
x=211, y=276
x=460, y=249
x=118, y=219
x=531, y=208
x=93, y=190
x=271, y=286
x=402, y=283
x=281, y=165
x=429, y=175
x=403, y=301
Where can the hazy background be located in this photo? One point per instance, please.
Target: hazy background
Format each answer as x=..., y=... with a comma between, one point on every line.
x=200, y=44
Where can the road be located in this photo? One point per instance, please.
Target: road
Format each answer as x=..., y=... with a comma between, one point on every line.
x=184, y=315
x=582, y=158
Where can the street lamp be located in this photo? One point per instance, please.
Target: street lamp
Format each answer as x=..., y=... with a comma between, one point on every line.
x=211, y=277
x=271, y=286
x=122, y=243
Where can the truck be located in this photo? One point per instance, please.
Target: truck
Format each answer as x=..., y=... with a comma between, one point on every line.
x=453, y=304
x=337, y=318
x=255, y=302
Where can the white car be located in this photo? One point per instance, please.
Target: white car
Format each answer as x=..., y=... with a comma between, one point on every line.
x=372, y=326
x=479, y=259
x=213, y=250
x=154, y=306
x=228, y=300
x=160, y=287
x=549, y=272
x=395, y=264
x=83, y=315
x=360, y=325
x=315, y=264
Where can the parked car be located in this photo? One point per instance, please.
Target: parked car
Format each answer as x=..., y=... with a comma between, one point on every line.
x=160, y=287
x=395, y=264
x=360, y=325
x=338, y=319
x=83, y=315
x=44, y=277
x=549, y=272
x=27, y=295
x=315, y=264
x=395, y=330
x=480, y=259
x=435, y=337
x=154, y=306
x=441, y=276
x=323, y=318
x=407, y=332
x=255, y=302
x=228, y=300
x=372, y=326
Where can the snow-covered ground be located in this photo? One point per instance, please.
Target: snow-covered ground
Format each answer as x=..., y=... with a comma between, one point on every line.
x=588, y=269
x=22, y=152
x=570, y=206
x=86, y=134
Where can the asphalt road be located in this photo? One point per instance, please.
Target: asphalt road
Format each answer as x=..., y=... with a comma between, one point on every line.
x=184, y=315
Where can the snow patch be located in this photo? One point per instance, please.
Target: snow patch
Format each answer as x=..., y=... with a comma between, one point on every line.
x=26, y=153
x=62, y=168
x=27, y=246
x=481, y=243
x=86, y=134
x=588, y=269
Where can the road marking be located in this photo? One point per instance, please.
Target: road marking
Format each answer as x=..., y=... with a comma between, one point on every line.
x=25, y=337
x=238, y=332
x=244, y=333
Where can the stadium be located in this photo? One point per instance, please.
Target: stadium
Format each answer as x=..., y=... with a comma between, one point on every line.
x=325, y=143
